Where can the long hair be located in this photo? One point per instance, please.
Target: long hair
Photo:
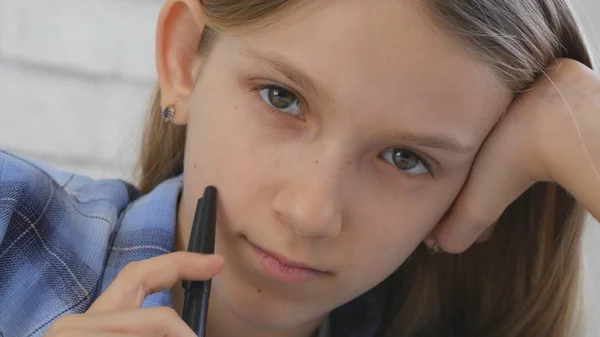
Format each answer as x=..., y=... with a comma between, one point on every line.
x=526, y=280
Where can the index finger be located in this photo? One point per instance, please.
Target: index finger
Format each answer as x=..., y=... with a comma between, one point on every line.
x=142, y=278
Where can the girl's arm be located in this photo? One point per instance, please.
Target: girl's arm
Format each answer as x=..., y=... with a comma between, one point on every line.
x=550, y=133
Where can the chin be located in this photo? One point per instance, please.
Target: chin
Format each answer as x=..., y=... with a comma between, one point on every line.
x=261, y=308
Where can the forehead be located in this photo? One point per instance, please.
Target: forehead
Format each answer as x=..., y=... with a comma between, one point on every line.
x=387, y=59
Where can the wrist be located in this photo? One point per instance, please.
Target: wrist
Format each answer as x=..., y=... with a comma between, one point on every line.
x=569, y=140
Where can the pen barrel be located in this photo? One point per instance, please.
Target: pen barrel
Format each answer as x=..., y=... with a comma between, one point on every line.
x=202, y=240
x=195, y=308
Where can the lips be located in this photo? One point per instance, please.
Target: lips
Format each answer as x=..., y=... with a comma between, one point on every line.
x=289, y=263
x=286, y=269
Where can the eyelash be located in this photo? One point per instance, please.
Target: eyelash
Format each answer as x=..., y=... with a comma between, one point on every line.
x=301, y=105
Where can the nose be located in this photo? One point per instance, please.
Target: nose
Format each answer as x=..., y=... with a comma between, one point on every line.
x=310, y=203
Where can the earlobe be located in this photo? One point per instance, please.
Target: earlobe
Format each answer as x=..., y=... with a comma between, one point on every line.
x=178, y=63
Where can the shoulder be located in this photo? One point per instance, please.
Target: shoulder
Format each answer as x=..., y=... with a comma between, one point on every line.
x=20, y=177
x=33, y=190
x=55, y=232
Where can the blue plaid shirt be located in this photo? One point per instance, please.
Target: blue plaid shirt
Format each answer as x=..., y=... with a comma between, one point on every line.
x=64, y=238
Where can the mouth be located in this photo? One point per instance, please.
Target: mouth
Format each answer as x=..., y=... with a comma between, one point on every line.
x=285, y=269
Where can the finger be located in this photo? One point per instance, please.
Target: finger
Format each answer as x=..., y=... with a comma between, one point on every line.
x=487, y=233
x=140, y=279
x=157, y=321
x=499, y=176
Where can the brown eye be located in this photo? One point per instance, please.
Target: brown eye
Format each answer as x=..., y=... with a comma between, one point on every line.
x=281, y=99
x=406, y=160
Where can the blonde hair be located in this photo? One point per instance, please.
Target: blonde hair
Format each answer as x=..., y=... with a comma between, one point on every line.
x=526, y=280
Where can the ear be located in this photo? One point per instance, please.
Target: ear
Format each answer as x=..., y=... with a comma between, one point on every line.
x=178, y=63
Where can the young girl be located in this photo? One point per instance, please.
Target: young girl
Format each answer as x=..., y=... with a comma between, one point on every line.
x=349, y=140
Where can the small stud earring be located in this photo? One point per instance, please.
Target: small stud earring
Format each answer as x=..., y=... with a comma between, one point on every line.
x=434, y=249
x=168, y=113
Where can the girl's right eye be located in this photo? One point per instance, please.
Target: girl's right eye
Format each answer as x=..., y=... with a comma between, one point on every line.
x=281, y=99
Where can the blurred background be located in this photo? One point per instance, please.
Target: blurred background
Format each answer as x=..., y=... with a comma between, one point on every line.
x=76, y=77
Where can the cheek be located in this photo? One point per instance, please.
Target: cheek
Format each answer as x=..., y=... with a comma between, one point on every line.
x=226, y=148
x=384, y=230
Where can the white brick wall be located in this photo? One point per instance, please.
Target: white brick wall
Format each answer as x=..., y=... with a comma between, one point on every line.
x=76, y=77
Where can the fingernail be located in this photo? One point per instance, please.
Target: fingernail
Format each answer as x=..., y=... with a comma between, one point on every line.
x=485, y=236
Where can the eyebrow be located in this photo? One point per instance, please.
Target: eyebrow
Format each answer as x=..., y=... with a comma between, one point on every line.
x=436, y=142
x=279, y=63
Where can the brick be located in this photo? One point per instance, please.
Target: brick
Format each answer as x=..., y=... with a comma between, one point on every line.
x=78, y=119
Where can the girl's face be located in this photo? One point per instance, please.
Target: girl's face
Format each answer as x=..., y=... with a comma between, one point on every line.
x=337, y=138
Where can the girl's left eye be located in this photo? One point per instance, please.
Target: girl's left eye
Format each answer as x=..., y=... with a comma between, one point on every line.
x=406, y=160
x=281, y=99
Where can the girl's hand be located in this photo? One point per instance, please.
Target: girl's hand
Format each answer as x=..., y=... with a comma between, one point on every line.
x=550, y=133
x=117, y=312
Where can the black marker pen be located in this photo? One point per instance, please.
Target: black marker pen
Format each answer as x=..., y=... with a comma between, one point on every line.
x=202, y=240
